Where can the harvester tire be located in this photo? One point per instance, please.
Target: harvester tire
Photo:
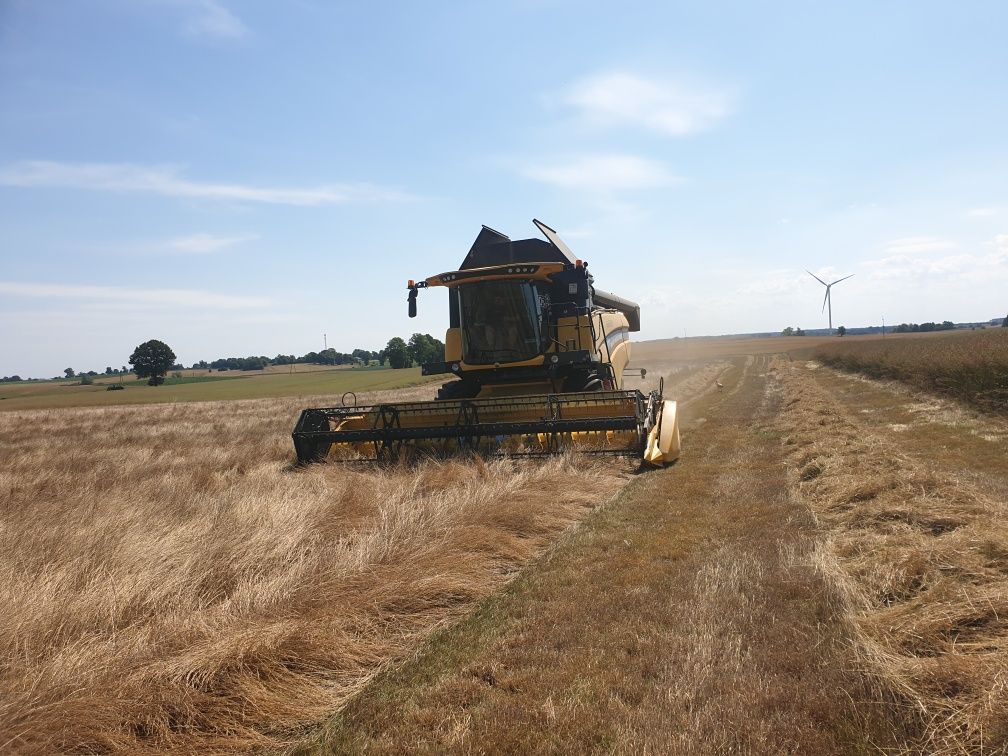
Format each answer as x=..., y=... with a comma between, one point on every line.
x=582, y=382
x=458, y=390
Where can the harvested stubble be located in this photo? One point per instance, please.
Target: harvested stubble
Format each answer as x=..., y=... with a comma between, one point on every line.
x=168, y=581
x=971, y=367
x=922, y=562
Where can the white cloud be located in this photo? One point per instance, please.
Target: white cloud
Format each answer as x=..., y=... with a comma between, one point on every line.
x=602, y=173
x=205, y=243
x=918, y=262
x=116, y=296
x=982, y=212
x=912, y=245
x=163, y=180
x=667, y=107
x=776, y=283
x=211, y=19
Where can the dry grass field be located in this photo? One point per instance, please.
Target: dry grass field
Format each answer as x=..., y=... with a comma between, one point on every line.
x=824, y=571
x=969, y=365
x=168, y=581
x=919, y=557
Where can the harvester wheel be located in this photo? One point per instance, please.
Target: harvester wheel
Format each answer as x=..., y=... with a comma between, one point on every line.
x=458, y=390
x=582, y=382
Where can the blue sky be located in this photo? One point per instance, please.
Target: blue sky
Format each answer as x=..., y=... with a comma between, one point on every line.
x=241, y=177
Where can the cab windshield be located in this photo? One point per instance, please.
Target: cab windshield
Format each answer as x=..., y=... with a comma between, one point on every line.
x=500, y=321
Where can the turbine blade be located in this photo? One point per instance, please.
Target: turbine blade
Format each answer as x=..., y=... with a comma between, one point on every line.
x=842, y=279
x=816, y=277
x=824, y=299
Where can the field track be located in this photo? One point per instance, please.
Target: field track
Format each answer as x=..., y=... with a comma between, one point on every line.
x=722, y=605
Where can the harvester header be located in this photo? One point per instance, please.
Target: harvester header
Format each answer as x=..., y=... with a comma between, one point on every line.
x=537, y=354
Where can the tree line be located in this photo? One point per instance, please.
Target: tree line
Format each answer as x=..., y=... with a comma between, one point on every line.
x=398, y=353
x=945, y=325
x=157, y=359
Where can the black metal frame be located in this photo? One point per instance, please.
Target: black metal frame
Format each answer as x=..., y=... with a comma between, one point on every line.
x=313, y=434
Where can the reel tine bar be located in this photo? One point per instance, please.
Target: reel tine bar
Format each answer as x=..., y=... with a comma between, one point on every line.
x=548, y=420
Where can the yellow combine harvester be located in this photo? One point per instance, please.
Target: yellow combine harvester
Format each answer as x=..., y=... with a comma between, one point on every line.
x=538, y=354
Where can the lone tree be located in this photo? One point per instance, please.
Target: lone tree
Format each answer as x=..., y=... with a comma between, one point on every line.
x=152, y=360
x=1004, y=323
x=423, y=347
x=841, y=331
x=397, y=353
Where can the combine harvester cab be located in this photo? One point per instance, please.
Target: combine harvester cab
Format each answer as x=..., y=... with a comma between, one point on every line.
x=538, y=354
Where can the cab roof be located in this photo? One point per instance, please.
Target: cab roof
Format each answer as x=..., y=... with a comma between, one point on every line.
x=494, y=248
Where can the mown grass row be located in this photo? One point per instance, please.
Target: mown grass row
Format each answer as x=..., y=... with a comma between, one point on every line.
x=971, y=367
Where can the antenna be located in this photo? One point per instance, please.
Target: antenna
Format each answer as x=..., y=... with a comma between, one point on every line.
x=827, y=300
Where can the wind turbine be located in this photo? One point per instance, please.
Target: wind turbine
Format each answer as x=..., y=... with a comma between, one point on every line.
x=826, y=300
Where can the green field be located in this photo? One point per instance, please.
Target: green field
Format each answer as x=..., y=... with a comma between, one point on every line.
x=234, y=385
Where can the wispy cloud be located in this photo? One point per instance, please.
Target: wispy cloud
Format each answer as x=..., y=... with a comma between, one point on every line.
x=167, y=181
x=214, y=20
x=205, y=243
x=669, y=107
x=776, y=283
x=912, y=245
x=139, y=297
x=917, y=262
x=601, y=173
x=982, y=212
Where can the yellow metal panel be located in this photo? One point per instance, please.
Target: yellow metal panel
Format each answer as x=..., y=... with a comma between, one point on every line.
x=663, y=440
x=497, y=273
x=574, y=333
x=620, y=358
x=453, y=345
x=537, y=360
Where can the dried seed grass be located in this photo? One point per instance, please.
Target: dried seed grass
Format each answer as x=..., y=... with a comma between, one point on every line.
x=169, y=582
x=921, y=559
x=969, y=366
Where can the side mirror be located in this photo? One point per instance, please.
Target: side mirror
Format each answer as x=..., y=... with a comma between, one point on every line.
x=412, y=302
